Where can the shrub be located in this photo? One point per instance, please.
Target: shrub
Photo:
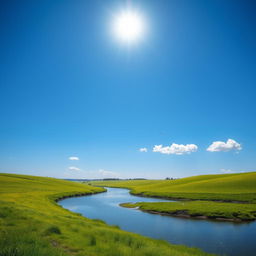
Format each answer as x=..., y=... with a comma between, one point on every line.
x=92, y=241
x=53, y=230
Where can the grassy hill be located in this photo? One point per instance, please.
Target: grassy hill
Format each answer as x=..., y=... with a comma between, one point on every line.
x=220, y=197
x=227, y=187
x=32, y=223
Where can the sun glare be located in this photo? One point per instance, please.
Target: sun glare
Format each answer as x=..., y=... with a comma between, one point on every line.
x=128, y=26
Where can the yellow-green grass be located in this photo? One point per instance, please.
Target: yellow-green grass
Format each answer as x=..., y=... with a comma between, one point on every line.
x=200, y=209
x=223, y=187
x=33, y=224
x=212, y=192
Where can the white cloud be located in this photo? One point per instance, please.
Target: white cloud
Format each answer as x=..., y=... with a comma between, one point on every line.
x=143, y=150
x=226, y=171
x=218, y=146
x=77, y=173
x=73, y=168
x=107, y=174
x=73, y=158
x=177, y=149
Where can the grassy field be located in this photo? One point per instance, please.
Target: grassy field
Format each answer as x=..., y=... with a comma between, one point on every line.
x=33, y=224
x=217, y=196
x=223, y=187
x=200, y=209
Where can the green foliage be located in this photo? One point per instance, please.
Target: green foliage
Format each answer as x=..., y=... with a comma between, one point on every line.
x=53, y=230
x=92, y=241
x=32, y=223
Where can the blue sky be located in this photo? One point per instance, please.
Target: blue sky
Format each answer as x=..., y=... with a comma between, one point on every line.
x=69, y=89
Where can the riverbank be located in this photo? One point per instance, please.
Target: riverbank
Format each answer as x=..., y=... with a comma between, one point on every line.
x=239, y=187
x=199, y=210
x=32, y=223
x=225, y=197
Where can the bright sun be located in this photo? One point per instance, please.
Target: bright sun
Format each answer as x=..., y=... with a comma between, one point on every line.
x=129, y=26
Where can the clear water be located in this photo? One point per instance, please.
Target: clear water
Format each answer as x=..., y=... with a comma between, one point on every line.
x=222, y=238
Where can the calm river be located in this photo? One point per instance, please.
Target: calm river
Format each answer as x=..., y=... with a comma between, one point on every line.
x=222, y=238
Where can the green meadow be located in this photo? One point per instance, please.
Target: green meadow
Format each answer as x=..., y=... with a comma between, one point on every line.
x=33, y=224
x=200, y=209
x=223, y=187
x=228, y=196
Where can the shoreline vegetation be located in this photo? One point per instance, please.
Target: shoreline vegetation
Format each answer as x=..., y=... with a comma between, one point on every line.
x=224, y=197
x=32, y=223
x=199, y=210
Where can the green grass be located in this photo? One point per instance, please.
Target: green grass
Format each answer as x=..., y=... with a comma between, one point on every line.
x=226, y=187
x=33, y=224
x=212, y=210
x=211, y=192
